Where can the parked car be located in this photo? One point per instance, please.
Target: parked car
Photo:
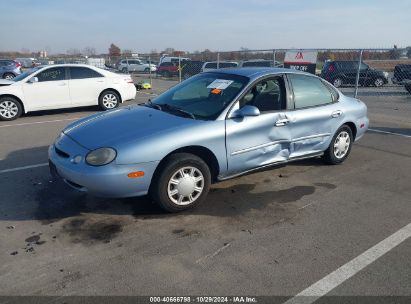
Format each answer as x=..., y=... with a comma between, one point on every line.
x=260, y=63
x=9, y=69
x=28, y=62
x=63, y=86
x=402, y=73
x=172, y=59
x=167, y=69
x=341, y=73
x=212, y=65
x=191, y=68
x=407, y=85
x=211, y=127
x=135, y=65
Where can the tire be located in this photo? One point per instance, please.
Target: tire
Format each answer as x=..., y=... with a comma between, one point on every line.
x=378, y=82
x=8, y=76
x=146, y=70
x=10, y=108
x=338, y=82
x=408, y=88
x=108, y=100
x=124, y=70
x=191, y=182
x=340, y=146
x=167, y=74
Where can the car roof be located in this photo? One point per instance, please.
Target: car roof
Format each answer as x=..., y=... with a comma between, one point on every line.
x=256, y=72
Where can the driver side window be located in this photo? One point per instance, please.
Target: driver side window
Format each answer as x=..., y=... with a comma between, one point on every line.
x=267, y=95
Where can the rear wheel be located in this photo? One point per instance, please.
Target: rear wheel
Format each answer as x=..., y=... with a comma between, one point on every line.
x=182, y=183
x=340, y=146
x=8, y=76
x=10, y=108
x=124, y=70
x=338, y=82
x=146, y=70
x=109, y=100
x=378, y=82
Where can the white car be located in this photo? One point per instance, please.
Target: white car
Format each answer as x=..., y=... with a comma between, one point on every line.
x=135, y=65
x=63, y=86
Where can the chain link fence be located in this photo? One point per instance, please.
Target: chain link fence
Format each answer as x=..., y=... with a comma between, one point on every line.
x=356, y=72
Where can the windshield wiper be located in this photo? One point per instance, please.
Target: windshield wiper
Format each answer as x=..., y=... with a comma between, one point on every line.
x=176, y=109
x=151, y=104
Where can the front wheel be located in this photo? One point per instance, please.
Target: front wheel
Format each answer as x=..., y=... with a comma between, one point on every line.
x=10, y=108
x=109, y=100
x=182, y=183
x=340, y=146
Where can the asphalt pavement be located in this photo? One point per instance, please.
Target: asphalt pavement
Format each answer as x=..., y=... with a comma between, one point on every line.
x=275, y=232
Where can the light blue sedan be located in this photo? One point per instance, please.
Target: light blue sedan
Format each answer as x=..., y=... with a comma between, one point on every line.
x=211, y=127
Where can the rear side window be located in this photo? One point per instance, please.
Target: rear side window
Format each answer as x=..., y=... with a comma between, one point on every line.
x=52, y=74
x=257, y=64
x=83, y=73
x=309, y=91
x=211, y=65
x=227, y=64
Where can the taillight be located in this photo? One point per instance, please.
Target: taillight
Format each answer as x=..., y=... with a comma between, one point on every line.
x=331, y=68
x=18, y=64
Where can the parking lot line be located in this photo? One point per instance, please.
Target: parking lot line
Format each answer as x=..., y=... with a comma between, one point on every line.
x=339, y=276
x=23, y=168
x=387, y=132
x=39, y=122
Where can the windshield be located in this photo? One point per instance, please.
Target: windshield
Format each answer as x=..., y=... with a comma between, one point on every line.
x=25, y=74
x=203, y=96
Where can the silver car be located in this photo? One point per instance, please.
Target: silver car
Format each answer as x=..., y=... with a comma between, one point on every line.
x=211, y=127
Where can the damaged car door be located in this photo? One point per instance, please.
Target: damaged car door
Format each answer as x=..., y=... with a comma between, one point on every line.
x=257, y=128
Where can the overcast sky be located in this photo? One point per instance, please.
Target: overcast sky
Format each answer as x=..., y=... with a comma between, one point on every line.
x=199, y=24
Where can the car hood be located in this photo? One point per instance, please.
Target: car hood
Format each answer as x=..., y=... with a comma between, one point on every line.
x=5, y=82
x=121, y=125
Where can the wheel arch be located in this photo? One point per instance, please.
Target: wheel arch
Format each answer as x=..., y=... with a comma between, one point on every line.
x=200, y=151
x=17, y=98
x=353, y=128
x=111, y=89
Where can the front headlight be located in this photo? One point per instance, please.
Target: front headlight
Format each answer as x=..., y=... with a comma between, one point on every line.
x=101, y=156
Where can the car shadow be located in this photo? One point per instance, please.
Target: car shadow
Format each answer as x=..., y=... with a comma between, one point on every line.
x=32, y=194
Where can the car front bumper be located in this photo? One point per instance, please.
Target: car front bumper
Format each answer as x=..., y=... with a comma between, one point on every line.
x=107, y=181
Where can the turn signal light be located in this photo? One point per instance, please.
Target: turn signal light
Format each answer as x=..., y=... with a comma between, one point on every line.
x=135, y=174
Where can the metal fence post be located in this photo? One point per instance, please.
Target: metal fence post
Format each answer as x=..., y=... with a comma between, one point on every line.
x=357, y=80
x=179, y=68
x=274, y=65
x=218, y=60
x=149, y=71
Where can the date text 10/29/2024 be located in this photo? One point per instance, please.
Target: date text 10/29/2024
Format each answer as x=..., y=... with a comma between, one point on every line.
x=203, y=299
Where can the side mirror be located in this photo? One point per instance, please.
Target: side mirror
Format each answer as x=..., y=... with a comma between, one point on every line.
x=33, y=80
x=245, y=111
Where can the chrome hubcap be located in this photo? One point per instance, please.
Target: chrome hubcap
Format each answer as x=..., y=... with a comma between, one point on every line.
x=185, y=186
x=378, y=82
x=9, y=77
x=341, y=144
x=8, y=109
x=337, y=82
x=109, y=101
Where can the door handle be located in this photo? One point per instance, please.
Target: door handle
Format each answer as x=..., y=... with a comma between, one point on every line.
x=282, y=122
x=336, y=114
